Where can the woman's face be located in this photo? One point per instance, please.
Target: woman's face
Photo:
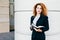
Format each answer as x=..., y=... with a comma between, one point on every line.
x=38, y=9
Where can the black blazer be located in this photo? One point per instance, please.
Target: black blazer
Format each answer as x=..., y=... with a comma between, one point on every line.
x=42, y=21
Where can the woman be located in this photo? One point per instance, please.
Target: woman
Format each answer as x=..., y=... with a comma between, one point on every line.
x=40, y=20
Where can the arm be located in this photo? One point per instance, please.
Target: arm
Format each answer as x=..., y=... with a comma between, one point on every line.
x=31, y=27
x=46, y=25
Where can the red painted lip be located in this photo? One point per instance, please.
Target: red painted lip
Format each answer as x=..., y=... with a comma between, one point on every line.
x=38, y=11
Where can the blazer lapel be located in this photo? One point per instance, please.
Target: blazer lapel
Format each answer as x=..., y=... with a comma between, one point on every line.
x=39, y=19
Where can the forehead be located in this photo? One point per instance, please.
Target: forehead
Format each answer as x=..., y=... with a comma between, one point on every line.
x=39, y=6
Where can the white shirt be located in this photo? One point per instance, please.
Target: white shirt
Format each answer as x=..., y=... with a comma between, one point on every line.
x=35, y=21
x=36, y=18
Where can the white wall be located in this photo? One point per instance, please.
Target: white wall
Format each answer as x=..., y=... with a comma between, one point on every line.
x=23, y=12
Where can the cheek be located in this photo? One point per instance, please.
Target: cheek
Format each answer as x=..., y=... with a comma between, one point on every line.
x=41, y=10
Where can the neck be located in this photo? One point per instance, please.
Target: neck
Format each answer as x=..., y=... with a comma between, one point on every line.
x=38, y=14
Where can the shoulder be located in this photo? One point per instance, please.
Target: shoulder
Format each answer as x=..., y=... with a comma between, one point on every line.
x=45, y=17
x=32, y=16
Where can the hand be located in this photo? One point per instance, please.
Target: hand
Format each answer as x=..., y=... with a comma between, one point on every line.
x=31, y=28
x=37, y=30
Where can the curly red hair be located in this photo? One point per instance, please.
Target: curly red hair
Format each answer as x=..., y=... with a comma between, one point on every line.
x=44, y=9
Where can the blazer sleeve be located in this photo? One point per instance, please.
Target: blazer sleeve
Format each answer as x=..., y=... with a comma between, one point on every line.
x=31, y=20
x=46, y=24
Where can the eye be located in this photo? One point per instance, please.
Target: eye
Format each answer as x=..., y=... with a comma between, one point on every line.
x=38, y=8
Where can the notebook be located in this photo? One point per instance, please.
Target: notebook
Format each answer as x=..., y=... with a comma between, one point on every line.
x=36, y=26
